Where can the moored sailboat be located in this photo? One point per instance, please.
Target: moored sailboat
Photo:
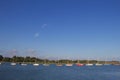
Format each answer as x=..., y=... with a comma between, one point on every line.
x=98, y=64
x=1, y=61
x=23, y=63
x=68, y=63
x=58, y=63
x=13, y=62
x=45, y=63
x=35, y=64
x=79, y=64
x=106, y=62
x=88, y=63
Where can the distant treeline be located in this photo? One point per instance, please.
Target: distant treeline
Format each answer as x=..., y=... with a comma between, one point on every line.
x=29, y=59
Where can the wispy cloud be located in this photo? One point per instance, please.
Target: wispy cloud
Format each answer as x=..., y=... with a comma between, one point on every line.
x=36, y=35
x=44, y=25
x=9, y=53
x=31, y=52
x=2, y=51
x=12, y=52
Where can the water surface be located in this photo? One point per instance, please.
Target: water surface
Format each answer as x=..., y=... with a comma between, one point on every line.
x=52, y=72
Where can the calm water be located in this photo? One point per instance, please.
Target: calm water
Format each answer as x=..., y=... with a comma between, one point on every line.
x=30, y=72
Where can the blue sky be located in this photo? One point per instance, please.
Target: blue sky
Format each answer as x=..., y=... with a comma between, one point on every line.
x=60, y=28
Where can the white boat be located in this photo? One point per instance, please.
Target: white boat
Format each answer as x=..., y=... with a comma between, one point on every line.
x=69, y=64
x=97, y=64
x=46, y=64
x=89, y=64
x=35, y=64
x=13, y=64
x=0, y=63
x=23, y=64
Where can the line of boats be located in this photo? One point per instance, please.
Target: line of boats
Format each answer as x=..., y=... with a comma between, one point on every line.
x=68, y=64
x=58, y=63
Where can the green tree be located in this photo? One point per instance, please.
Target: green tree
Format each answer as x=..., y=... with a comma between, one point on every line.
x=1, y=57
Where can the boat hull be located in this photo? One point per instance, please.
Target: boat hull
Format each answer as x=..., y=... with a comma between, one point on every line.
x=78, y=64
x=13, y=64
x=23, y=64
x=98, y=64
x=107, y=64
x=58, y=64
x=89, y=64
x=69, y=64
x=36, y=64
x=45, y=64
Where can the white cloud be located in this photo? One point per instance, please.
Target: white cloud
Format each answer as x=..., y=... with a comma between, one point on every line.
x=36, y=35
x=44, y=25
x=10, y=53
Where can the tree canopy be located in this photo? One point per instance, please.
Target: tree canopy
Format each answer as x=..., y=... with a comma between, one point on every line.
x=1, y=57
